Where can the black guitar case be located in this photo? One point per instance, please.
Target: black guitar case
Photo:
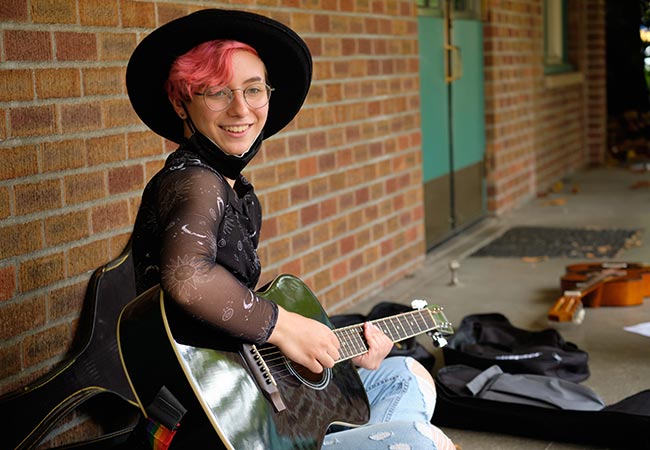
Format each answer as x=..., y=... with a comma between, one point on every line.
x=624, y=425
x=482, y=341
x=91, y=378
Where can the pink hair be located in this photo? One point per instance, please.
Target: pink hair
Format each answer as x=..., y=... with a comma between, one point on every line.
x=207, y=64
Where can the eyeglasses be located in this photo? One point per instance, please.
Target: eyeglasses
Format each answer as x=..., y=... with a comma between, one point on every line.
x=217, y=98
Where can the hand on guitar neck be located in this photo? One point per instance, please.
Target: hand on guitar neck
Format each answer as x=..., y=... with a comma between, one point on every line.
x=315, y=346
x=599, y=284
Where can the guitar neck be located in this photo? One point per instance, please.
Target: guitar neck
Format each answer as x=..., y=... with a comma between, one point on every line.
x=594, y=280
x=397, y=328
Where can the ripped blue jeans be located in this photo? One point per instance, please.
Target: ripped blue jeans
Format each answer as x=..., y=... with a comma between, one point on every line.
x=400, y=410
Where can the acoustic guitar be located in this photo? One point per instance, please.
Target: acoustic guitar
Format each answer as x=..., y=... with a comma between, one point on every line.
x=599, y=284
x=240, y=396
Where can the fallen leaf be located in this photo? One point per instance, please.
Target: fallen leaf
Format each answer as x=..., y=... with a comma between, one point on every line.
x=555, y=202
x=534, y=259
x=640, y=184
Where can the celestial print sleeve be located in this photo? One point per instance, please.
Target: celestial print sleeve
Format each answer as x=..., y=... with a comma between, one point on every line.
x=191, y=205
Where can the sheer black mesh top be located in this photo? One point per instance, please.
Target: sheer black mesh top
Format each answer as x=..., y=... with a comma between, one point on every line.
x=197, y=236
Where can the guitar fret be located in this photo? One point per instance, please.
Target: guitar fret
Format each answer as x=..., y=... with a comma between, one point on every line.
x=397, y=334
x=387, y=330
x=351, y=341
x=403, y=320
x=408, y=322
x=346, y=351
x=381, y=324
x=414, y=323
x=427, y=318
x=360, y=346
x=422, y=319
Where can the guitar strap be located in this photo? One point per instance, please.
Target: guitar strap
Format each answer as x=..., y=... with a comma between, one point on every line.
x=164, y=416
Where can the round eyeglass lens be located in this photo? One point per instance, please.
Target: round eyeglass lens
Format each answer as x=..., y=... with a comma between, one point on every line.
x=256, y=96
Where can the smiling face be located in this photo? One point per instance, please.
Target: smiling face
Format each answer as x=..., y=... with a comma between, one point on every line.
x=235, y=128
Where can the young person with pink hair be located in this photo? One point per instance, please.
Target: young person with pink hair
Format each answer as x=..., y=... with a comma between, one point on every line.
x=218, y=83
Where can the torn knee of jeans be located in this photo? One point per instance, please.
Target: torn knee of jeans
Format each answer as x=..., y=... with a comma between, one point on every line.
x=427, y=388
x=426, y=430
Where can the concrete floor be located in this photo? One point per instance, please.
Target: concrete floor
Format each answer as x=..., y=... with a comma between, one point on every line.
x=523, y=290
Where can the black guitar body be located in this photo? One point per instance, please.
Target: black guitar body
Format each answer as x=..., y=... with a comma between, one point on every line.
x=93, y=371
x=210, y=375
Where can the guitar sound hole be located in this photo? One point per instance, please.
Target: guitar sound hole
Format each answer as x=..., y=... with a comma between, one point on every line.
x=308, y=378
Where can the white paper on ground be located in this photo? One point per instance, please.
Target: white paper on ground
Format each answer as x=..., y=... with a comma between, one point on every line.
x=640, y=328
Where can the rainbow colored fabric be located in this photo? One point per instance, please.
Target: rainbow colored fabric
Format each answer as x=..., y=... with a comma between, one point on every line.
x=159, y=436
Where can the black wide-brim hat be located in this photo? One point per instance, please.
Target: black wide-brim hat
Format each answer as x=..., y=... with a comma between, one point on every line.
x=283, y=52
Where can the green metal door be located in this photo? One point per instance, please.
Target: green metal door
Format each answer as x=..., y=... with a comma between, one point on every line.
x=453, y=123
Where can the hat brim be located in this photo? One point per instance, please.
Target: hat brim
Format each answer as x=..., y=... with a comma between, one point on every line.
x=283, y=52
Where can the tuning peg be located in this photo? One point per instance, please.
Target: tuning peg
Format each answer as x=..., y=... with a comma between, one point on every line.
x=438, y=339
x=419, y=304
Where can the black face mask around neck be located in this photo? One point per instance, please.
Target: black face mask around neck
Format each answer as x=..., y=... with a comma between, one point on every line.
x=229, y=166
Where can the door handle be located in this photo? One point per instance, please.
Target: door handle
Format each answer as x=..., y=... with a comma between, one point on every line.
x=454, y=63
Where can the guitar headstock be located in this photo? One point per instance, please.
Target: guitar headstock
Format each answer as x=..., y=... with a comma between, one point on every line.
x=568, y=308
x=442, y=325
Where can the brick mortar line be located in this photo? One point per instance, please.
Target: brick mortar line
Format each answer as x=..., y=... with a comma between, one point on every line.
x=100, y=132
x=60, y=175
x=68, y=280
x=66, y=64
x=14, y=220
x=56, y=101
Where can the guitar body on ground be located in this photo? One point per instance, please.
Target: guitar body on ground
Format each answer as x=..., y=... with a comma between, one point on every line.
x=599, y=284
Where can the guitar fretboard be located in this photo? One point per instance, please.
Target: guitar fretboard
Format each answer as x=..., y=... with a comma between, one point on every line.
x=593, y=280
x=397, y=328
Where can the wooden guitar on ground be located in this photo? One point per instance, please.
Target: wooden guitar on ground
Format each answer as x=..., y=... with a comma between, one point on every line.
x=240, y=396
x=599, y=284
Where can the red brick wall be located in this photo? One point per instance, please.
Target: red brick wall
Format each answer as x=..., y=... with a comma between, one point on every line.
x=538, y=130
x=341, y=186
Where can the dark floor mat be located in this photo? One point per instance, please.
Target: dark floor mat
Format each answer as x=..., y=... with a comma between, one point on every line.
x=558, y=242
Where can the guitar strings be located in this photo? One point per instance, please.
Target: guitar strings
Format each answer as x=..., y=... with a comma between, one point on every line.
x=354, y=343
x=359, y=343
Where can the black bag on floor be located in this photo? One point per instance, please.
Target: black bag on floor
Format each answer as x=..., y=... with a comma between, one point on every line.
x=483, y=340
x=625, y=424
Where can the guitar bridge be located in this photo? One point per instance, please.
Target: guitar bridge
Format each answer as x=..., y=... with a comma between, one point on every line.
x=263, y=376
